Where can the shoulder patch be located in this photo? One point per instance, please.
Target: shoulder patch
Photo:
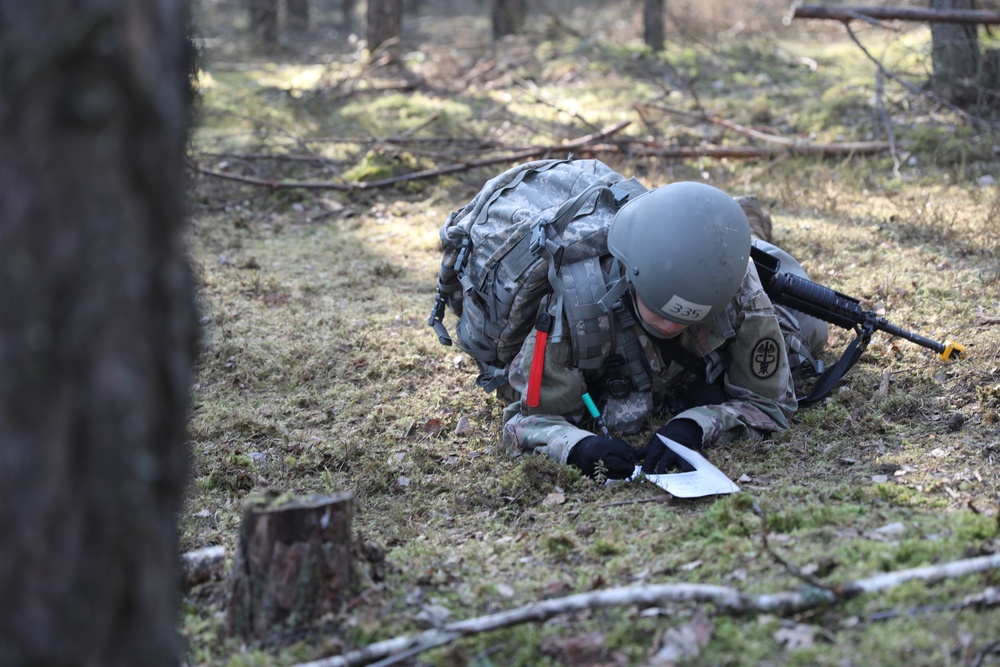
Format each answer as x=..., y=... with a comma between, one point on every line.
x=764, y=358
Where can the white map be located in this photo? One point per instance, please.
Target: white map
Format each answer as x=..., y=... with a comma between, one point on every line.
x=704, y=480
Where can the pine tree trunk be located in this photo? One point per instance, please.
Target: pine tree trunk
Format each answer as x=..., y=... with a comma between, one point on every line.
x=652, y=24
x=264, y=20
x=348, y=8
x=298, y=15
x=954, y=55
x=508, y=17
x=97, y=330
x=988, y=77
x=385, y=23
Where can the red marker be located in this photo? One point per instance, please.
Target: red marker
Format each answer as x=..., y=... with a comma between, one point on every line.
x=542, y=327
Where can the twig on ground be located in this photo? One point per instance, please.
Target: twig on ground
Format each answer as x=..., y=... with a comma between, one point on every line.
x=526, y=154
x=988, y=598
x=662, y=498
x=792, y=569
x=985, y=651
x=589, y=145
x=539, y=98
x=915, y=90
x=880, y=103
x=727, y=600
x=596, y=143
x=202, y=565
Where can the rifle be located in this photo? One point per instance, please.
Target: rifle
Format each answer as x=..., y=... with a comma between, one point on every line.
x=840, y=310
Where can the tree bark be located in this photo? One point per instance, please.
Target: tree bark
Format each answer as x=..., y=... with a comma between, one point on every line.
x=508, y=17
x=298, y=15
x=988, y=76
x=954, y=55
x=264, y=20
x=292, y=564
x=97, y=330
x=385, y=24
x=348, y=8
x=652, y=24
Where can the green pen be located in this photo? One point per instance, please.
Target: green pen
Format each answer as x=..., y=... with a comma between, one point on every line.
x=595, y=413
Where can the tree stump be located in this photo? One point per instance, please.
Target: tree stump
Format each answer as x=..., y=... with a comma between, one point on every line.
x=292, y=563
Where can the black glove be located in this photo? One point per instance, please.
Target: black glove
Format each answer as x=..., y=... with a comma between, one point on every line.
x=616, y=454
x=658, y=458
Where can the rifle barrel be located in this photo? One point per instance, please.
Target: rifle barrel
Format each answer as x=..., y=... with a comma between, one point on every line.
x=882, y=325
x=839, y=309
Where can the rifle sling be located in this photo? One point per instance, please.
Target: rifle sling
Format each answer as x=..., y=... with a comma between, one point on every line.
x=832, y=375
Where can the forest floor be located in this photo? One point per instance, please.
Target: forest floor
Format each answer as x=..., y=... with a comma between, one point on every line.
x=318, y=373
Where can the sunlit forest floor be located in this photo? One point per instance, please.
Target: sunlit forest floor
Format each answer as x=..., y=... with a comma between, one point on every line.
x=319, y=374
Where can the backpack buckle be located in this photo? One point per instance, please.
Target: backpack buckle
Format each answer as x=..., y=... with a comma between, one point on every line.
x=617, y=384
x=537, y=242
x=618, y=387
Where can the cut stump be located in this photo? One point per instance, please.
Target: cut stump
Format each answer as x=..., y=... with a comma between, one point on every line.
x=292, y=563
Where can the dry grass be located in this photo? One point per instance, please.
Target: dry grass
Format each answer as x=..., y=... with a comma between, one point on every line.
x=319, y=374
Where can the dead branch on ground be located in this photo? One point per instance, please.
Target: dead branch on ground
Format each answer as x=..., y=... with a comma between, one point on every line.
x=726, y=599
x=597, y=143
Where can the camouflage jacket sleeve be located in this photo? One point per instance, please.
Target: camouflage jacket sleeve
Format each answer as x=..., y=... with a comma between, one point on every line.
x=551, y=427
x=757, y=379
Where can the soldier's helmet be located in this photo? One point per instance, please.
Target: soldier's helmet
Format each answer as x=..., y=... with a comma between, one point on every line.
x=685, y=249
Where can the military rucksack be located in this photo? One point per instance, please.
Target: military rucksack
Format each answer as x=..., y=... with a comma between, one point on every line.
x=503, y=251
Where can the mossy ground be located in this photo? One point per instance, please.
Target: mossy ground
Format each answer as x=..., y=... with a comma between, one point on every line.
x=318, y=373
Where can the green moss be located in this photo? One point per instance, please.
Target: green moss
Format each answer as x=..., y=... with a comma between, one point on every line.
x=378, y=165
x=603, y=548
x=559, y=546
x=970, y=527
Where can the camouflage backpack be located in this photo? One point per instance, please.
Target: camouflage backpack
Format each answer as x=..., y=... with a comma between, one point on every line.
x=503, y=251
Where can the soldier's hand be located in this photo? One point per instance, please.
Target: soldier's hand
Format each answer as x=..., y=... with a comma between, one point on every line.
x=595, y=454
x=659, y=459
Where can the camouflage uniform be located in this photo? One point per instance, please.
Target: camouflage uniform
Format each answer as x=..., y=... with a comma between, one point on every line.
x=746, y=343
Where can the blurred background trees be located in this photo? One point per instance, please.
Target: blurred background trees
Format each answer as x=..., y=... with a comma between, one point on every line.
x=961, y=68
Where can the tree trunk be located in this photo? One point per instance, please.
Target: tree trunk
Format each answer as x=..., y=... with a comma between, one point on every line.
x=292, y=564
x=348, y=8
x=264, y=20
x=385, y=24
x=508, y=17
x=954, y=55
x=298, y=15
x=988, y=76
x=97, y=330
x=652, y=24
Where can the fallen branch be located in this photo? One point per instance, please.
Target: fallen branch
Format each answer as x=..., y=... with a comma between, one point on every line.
x=747, y=152
x=351, y=186
x=848, y=13
x=593, y=144
x=726, y=599
x=202, y=565
x=796, y=146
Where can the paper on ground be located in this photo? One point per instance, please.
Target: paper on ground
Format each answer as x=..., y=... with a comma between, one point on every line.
x=704, y=480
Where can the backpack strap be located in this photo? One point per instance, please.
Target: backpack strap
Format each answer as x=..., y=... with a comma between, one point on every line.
x=589, y=324
x=545, y=239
